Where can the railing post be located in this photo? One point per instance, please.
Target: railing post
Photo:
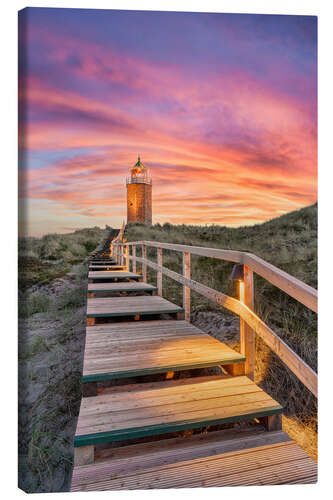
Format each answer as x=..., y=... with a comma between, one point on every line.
x=144, y=266
x=247, y=335
x=134, y=261
x=186, y=289
x=127, y=258
x=159, y=273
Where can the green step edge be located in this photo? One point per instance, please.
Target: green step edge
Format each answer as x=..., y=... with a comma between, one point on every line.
x=149, y=289
x=134, y=313
x=159, y=369
x=100, y=266
x=138, y=276
x=153, y=430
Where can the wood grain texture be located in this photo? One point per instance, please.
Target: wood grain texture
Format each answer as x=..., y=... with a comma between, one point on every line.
x=128, y=349
x=251, y=461
x=186, y=289
x=111, y=417
x=111, y=275
x=130, y=286
x=247, y=335
x=159, y=274
x=122, y=306
x=106, y=267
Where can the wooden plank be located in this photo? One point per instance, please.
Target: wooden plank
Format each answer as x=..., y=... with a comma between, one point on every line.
x=247, y=335
x=186, y=289
x=159, y=274
x=163, y=401
x=121, y=287
x=106, y=267
x=127, y=255
x=216, y=253
x=301, y=369
x=144, y=329
x=135, y=459
x=119, y=364
x=122, y=306
x=290, y=285
x=104, y=262
x=111, y=275
x=283, y=463
x=174, y=450
x=144, y=266
x=109, y=417
x=133, y=259
x=253, y=460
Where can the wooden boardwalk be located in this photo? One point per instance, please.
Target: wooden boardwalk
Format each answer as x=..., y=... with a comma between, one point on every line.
x=133, y=332
x=222, y=458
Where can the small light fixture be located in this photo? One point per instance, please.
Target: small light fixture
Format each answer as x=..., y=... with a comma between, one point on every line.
x=237, y=273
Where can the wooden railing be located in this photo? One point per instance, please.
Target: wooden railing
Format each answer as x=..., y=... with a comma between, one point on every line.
x=250, y=323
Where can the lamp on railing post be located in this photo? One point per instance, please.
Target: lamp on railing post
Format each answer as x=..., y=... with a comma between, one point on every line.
x=244, y=275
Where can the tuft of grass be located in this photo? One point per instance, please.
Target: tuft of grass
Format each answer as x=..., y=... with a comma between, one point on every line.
x=33, y=303
x=43, y=259
x=73, y=297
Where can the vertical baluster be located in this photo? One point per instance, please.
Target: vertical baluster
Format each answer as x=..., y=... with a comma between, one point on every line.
x=127, y=258
x=186, y=289
x=247, y=335
x=134, y=261
x=144, y=266
x=159, y=273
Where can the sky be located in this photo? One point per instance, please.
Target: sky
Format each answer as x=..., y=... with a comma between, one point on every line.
x=222, y=108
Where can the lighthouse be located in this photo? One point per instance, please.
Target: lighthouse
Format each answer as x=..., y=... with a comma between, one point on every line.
x=139, y=194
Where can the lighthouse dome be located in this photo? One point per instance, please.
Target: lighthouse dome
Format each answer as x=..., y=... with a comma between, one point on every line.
x=139, y=174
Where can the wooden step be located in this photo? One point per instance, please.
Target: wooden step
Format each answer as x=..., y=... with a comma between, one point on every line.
x=169, y=407
x=223, y=458
x=130, y=286
x=130, y=306
x=102, y=262
x=106, y=267
x=113, y=275
x=134, y=349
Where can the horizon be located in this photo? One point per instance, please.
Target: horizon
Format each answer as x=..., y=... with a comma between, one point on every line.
x=221, y=107
x=73, y=229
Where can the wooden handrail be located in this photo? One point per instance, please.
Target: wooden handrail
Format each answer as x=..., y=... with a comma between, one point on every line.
x=292, y=286
x=301, y=369
x=300, y=291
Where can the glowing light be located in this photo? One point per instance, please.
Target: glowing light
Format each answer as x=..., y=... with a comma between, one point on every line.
x=241, y=291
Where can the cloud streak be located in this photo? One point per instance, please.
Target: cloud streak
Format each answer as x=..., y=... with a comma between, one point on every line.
x=221, y=107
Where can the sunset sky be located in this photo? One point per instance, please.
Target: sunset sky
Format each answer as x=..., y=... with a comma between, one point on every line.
x=222, y=108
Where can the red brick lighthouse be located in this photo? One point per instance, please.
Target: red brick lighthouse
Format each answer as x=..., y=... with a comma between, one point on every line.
x=139, y=194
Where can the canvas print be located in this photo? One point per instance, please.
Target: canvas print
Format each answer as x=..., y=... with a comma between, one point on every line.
x=167, y=250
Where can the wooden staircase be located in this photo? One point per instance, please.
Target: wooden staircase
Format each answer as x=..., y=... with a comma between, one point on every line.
x=131, y=333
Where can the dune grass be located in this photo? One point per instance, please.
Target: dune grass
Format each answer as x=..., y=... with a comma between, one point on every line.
x=290, y=243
